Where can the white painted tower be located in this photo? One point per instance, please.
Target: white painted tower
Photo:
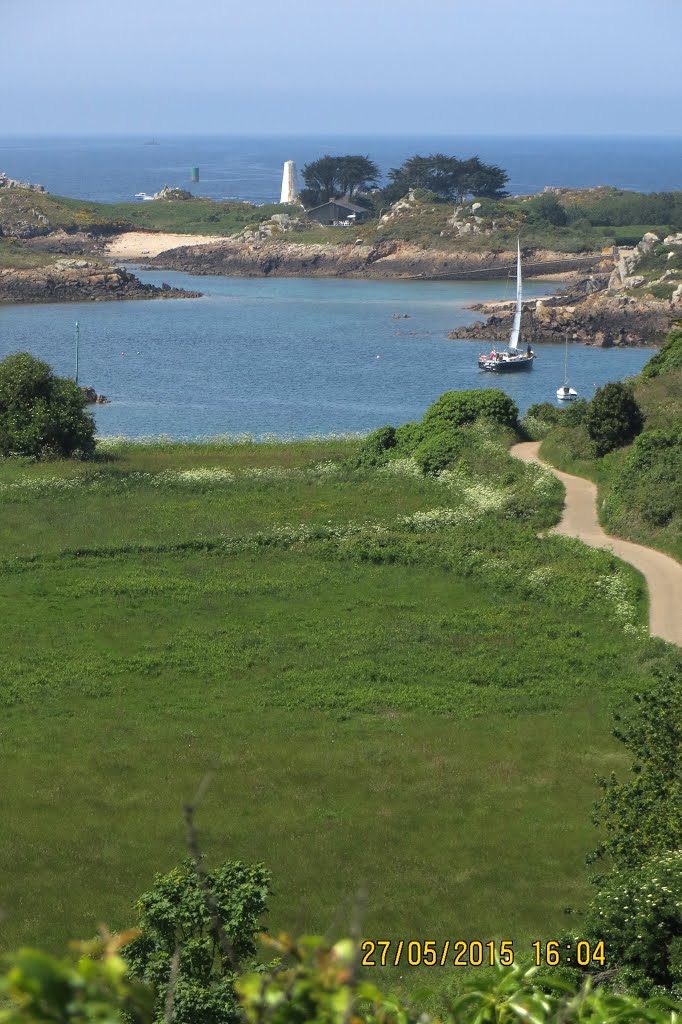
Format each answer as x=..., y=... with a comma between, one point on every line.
x=288, y=182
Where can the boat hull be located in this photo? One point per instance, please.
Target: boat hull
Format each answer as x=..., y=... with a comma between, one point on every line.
x=507, y=365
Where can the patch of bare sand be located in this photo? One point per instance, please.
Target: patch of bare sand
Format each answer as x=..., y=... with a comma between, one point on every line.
x=135, y=245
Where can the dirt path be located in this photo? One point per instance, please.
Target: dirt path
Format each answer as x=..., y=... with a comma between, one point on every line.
x=662, y=573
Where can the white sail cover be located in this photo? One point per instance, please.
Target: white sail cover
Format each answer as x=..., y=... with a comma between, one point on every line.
x=516, y=327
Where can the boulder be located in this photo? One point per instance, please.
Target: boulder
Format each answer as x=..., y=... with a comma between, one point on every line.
x=673, y=239
x=648, y=243
x=676, y=299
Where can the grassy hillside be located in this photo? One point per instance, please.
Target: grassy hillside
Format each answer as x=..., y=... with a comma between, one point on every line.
x=579, y=221
x=393, y=678
x=640, y=485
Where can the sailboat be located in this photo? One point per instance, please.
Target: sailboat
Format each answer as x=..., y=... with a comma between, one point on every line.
x=512, y=359
x=564, y=393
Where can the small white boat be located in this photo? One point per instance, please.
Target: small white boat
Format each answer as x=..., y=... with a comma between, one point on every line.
x=142, y=197
x=564, y=393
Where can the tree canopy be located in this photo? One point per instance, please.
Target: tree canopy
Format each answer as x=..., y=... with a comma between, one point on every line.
x=331, y=177
x=447, y=177
x=613, y=418
x=41, y=415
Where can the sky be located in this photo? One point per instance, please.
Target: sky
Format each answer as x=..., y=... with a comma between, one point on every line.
x=361, y=66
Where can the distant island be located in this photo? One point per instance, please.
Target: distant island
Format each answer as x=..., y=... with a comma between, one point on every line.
x=617, y=254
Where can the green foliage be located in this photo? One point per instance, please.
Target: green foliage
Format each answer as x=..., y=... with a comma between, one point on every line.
x=576, y=413
x=318, y=982
x=545, y=208
x=374, y=447
x=314, y=981
x=638, y=914
x=437, y=451
x=41, y=415
x=455, y=408
x=331, y=177
x=649, y=483
x=642, y=816
x=669, y=357
x=90, y=987
x=447, y=177
x=613, y=418
x=174, y=916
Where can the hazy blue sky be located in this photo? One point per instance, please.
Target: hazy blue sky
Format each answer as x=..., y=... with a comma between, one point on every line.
x=357, y=66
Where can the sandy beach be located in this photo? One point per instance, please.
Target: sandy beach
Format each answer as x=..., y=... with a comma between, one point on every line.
x=133, y=245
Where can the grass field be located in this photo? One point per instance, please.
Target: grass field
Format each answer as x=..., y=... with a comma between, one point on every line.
x=414, y=702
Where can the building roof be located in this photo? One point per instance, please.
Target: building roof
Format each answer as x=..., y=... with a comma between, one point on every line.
x=345, y=204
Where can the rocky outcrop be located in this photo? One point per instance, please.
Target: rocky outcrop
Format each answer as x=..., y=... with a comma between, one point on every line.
x=390, y=259
x=73, y=280
x=599, y=319
x=7, y=183
x=172, y=193
x=92, y=398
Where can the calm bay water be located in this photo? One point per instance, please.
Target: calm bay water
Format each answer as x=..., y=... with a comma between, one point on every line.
x=114, y=168
x=292, y=357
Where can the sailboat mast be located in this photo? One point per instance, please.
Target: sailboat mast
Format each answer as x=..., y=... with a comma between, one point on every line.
x=516, y=327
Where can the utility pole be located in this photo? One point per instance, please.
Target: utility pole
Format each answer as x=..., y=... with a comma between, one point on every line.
x=78, y=338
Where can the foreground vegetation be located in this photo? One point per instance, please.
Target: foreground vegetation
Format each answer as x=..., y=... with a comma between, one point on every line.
x=396, y=681
x=640, y=480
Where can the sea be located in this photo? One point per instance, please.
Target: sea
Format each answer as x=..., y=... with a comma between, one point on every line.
x=299, y=357
x=112, y=169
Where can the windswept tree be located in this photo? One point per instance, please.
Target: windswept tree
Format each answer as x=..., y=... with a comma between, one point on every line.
x=447, y=177
x=331, y=177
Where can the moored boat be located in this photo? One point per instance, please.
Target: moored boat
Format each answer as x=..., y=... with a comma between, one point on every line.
x=511, y=359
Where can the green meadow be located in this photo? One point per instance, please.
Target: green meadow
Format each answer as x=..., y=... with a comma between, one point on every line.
x=397, y=682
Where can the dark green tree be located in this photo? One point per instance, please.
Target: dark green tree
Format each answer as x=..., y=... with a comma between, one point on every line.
x=613, y=418
x=331, y=177
x=545, y=209
x=174, y=915
x=447, y=177
x=42, y=415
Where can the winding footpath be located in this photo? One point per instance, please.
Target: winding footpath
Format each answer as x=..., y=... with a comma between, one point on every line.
x=662, y=573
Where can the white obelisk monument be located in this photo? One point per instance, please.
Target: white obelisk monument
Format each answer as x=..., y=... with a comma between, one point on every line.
x=288, y=182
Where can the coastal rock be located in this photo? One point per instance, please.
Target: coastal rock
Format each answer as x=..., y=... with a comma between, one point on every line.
x=599, y=319
x=673, y=239
x=172, y=193
x=676, y=299
x=28, y=186
x=648, y=243
x=93, y=398
x=79, y=281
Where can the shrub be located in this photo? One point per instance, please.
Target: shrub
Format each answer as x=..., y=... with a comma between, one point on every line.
x=41, y=415
x=455, y=408
x=174, y=915
x=373, y=449
x=668, y=358
x=575, y=414
x=613, y=418
x=407, y=439
x=437, y=451
x=638, y=914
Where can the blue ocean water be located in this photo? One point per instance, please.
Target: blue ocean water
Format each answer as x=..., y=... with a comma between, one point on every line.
x=292, y=357
x=114, y=168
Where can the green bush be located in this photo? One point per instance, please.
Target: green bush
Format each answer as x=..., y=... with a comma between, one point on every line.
x=638, y=914
x=668, y=358
x=407, y=438
x=436, y=452
x=613, y=418
x=575, y=414
x=455, y=408
x=41, y=415
x=373, y=449
x=174, y=915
